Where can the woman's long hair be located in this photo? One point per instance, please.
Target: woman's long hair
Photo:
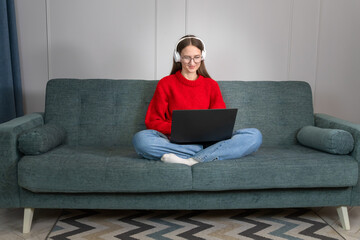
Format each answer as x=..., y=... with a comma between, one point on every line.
x=190, y=40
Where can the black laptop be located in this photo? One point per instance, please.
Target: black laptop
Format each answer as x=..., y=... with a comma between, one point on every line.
x=202, y=126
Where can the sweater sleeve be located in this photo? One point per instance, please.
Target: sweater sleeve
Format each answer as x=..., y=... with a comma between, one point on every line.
x=216, y=100
x=156, y=116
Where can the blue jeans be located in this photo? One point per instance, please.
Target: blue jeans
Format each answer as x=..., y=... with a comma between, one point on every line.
x=153, y=145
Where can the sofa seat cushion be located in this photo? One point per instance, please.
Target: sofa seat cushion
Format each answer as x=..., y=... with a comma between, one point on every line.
x=277, y=167
x=90, y=169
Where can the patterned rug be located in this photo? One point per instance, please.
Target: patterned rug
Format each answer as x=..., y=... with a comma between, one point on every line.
x=269, y=224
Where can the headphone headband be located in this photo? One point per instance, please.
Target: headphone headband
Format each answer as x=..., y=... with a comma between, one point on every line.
x=177, y=57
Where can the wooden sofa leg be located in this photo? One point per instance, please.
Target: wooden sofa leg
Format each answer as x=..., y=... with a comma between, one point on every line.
x=28, y=216
x=344, y=217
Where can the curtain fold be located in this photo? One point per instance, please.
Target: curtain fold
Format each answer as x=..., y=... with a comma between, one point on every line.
x=11, y=101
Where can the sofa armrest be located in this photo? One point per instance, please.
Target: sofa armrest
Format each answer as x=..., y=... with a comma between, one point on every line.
x=326, y=121
x=9, y=156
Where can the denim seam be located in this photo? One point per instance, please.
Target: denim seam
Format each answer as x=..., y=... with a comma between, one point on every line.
x=206, y=156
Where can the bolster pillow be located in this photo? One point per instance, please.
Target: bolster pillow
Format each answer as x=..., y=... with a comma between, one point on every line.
x=41, y=139
x=335, y=141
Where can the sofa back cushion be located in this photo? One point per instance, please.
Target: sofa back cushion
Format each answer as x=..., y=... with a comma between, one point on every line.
x=97, y=111
x=109, y=112
x=277, y=108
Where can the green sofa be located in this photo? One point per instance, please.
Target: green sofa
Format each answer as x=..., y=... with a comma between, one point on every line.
x=78, y=153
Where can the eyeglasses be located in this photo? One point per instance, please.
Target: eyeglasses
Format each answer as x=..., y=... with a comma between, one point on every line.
x=187, y=59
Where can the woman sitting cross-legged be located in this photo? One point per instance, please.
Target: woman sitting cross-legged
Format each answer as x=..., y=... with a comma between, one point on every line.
x=189, y=86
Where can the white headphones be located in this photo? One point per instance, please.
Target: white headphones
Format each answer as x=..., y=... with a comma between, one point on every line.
x=177, y=57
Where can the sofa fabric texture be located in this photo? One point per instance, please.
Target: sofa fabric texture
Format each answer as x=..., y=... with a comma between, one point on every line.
x=41, y=139
x=277, y=109
x=105, y=113
x=335, y=141
x=327, y=121
x=91, y=169
x=9, y=156
x=189, y=200
x=98, y=112
x=120, y=170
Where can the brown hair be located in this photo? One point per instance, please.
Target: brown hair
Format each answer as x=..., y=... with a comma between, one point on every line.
x=190, y=40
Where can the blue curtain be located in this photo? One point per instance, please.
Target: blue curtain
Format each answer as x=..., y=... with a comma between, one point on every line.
x=11, y=102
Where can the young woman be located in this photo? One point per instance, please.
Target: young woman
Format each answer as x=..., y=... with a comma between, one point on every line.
x=188, y=86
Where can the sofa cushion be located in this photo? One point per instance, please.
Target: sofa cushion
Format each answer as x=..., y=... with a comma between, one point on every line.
x=84, y=169
x=88, y=169
x=277, y=167
x=98, y=112
x=335, y=141
x=41, y=139
x=277, y=108
x=104, y=112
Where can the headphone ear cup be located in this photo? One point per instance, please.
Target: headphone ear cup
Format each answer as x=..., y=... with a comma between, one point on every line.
x=176, y=56
x=203, y=54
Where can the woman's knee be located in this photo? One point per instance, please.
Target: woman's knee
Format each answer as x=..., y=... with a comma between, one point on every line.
x=143, y=140
x=253, y=137
x=257, y=136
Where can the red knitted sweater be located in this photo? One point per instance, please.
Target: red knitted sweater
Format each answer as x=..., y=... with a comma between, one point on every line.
x=175, y=92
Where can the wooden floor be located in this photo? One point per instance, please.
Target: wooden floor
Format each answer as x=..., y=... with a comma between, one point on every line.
x=44, y=219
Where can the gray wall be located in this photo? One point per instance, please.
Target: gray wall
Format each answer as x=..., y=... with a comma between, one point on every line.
x=310, y=40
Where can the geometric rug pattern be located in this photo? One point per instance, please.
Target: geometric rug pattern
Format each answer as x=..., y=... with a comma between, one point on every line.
x=264, y=224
